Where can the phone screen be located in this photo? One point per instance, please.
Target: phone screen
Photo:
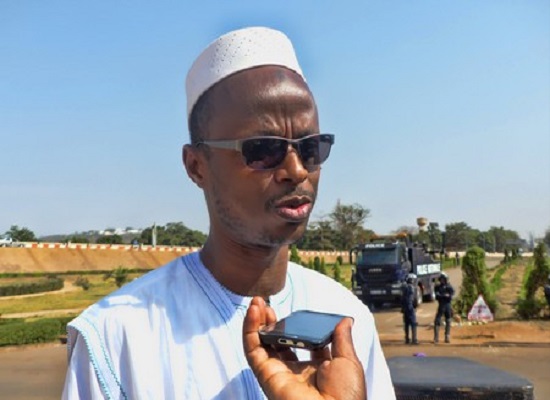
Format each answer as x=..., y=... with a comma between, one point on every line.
x=302, y=329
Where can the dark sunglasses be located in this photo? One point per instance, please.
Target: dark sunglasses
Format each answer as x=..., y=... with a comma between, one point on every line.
x=268, y=152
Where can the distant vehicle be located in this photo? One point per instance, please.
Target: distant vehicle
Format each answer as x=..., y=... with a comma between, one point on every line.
x=382, y=265
x=6, y=241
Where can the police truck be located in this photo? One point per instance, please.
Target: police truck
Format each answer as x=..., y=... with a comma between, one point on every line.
x=382, y=266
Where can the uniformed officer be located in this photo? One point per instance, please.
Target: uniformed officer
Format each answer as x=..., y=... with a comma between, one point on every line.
x=407, y=307
x=444, y=293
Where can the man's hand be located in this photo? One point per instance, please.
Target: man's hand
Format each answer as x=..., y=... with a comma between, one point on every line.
x=336, y=374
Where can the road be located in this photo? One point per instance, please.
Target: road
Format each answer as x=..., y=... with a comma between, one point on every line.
x=390, y=319
x=38, y=372
x=531, y=362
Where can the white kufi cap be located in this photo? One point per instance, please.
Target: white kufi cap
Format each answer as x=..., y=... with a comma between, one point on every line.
x=237, y=51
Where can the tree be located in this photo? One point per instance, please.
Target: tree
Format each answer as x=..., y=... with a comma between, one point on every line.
x=318, y=236
x=436, y=236
x=109, y=239
x=530, y=306
x=21, y=234
x=337, y=272
x=458, y=236
x=174, y=234
x=546, y=238
x=502, y=238
x=410, y=230
x=347, y=221
x=119, y=275
x=486, y=241
x=474, y=281
x=294, y=256
x=77, y=239
x=539, y=274
x=322, y=266
x=317, y=263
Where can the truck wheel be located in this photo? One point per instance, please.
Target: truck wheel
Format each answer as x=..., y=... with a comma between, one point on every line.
x=418, y=296
x=431, y=296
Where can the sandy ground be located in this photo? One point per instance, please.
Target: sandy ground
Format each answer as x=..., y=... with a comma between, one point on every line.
x=38, y=372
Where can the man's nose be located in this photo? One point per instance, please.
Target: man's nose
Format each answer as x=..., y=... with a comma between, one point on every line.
x=292, y=168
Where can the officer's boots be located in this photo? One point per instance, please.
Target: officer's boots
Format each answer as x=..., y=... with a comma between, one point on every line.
x=407, y=340
x=414, y=337
x=436, y=334
x=448, y=332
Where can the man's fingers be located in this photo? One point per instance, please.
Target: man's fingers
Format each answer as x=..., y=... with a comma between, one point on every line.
x=255, y=318
x=321, y=354
x=342, y=342
x=270, y=317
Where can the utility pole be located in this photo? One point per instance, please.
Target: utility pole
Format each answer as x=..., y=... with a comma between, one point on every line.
x=154, y=235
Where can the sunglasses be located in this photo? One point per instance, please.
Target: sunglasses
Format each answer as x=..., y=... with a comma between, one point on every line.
x=268, y=152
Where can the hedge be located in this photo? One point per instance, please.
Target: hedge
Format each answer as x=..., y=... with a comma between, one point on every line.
x=39, y=286
x=17, y=331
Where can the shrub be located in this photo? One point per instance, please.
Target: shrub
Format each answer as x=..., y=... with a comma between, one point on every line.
x=294, y=256
x=38, y=286
x=474, y=282
x=337, y=272
x=317, y=263
x=18, y=332
x=538, y=275
x=120, y=275
x=322, y=267
x=530, y=308
x=83, y=282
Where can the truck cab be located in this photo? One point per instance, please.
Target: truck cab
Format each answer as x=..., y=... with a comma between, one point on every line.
x=381, y=268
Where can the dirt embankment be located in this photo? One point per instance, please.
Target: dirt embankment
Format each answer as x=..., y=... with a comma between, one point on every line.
x=32, y=259
x=20, y=260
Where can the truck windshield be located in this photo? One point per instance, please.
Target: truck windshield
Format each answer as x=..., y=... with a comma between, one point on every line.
x=379, y=257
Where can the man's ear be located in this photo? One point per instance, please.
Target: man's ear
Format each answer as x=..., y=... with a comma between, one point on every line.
x=193, y=162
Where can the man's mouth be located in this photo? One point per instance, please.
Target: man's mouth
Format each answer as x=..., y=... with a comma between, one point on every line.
x=294, y=208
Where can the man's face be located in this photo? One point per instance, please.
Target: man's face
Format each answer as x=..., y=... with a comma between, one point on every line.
x=259, y=208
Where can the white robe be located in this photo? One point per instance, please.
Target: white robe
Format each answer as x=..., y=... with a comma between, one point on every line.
x=176, y=333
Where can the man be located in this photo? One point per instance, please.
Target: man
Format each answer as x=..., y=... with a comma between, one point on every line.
x=189, y=329
x=407, y=308
x=444, y=293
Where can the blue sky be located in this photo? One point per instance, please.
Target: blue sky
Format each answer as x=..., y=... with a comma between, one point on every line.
x=441, y=109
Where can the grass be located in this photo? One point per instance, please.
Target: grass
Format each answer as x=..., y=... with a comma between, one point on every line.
x=60, y=301
x=496, y=281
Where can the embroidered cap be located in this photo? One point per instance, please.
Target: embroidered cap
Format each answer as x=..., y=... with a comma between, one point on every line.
x=237, y=51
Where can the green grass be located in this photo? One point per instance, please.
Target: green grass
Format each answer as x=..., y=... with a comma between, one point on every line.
x=496, y=281
x=345, y=270
x=59, y=301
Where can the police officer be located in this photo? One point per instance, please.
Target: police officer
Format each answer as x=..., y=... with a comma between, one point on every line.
x=444, y=294
x=407, y=307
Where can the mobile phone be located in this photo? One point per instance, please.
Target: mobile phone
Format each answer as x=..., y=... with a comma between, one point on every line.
x=302, y=329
